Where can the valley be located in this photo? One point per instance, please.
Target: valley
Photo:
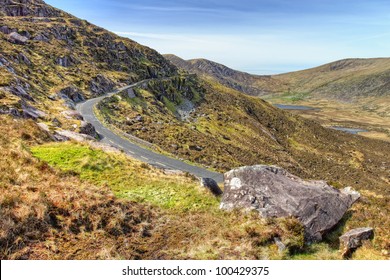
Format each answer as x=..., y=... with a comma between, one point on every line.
x=103, y=142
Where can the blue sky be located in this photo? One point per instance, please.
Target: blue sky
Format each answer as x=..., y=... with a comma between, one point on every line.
x=260, y=37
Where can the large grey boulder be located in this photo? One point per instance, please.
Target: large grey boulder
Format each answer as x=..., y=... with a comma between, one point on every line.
x=274, y=192
x=353, y=239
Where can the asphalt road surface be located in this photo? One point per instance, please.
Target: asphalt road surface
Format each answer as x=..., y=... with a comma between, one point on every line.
x=86, y=109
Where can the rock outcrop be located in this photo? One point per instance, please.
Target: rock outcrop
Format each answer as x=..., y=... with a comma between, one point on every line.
x=88, y=129
x=30, y=112
x=72, y=93
x=274, y=192
x=353, y=239
x=38, y=8
x=101, y=85
x=16, y=38
x=211, y=185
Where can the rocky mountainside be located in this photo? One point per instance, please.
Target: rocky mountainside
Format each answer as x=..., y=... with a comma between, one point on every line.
x=241, y=81
x=77, y=201
x=49, y=59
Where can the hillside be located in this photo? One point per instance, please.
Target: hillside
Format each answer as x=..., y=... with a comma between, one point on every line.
x=49, y=59
x=344, y=80
x=351, y=93
x=66, y=200
x=250, y=84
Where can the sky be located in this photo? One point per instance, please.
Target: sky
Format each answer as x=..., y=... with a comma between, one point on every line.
x=255, y=36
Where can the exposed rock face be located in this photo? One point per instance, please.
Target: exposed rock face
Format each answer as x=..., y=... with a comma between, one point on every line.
x=72, y=115
x=274, y=192
x=211, y=185
x=72, y=93
x=88, y=129
x=36, y=8
x=31, y=112
x=353, y=239
x=16, y=38
x=65, y=61
x=20, y=92
x=101, y=85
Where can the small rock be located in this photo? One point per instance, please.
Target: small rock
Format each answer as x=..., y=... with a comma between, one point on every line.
x=196, y=148
x=211, y=185
x=43, y=127
x=130, y=93
x=5, y=30
x=16, y=38
x=353, y=239
x=88, y=129
x=56, y=122
x=72, y=115
x=139, y=119
x=280, y=244
x=64, y=61
x=41, y=38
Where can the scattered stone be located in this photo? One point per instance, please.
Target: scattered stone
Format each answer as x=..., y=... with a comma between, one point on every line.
x=353, y=239
x=41, y=38
x=88, y=129
x=66, y=134
x=56, y=122
x=196, y=148
x=280, y=244
x=65, y=61
x=173, y=172
x=53, y=97
x=6, y=30
x=16, y=38
x=72, y=115
x=44, y=127
x=211, y=185
x=131, y=93
x=274, y=192
x=23, y=58
x=139, y=118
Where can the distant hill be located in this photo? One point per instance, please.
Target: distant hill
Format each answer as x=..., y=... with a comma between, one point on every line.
x=250, y=84
x=344, y=80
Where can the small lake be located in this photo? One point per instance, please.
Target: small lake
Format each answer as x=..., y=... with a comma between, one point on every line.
x=349, y=130
x=294, y=107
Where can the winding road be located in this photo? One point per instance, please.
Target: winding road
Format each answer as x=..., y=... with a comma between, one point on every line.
x=86, y=109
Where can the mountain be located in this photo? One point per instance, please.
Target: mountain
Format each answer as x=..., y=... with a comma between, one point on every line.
x=47, y=55
x=241, y=81
x=66, y=200
x=346, y=79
